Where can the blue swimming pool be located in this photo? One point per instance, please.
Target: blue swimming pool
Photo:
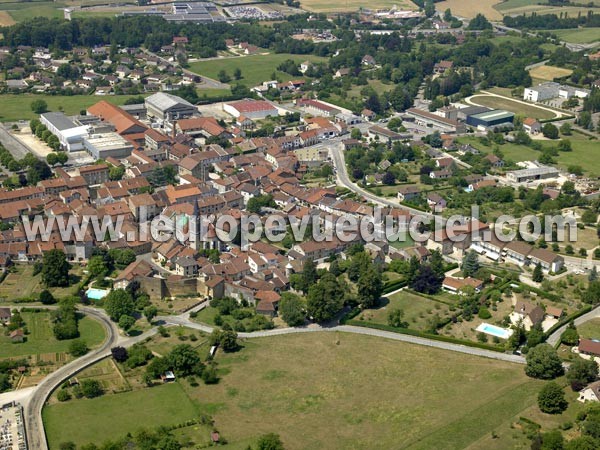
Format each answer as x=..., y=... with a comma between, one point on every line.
x=96, y=294
x=493, y=330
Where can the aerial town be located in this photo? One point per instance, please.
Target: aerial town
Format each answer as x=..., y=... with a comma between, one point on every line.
x=299, y=225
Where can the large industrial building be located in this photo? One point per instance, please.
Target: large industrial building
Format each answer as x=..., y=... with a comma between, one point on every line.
x=69, y=134
x=252, y=109
x=168, y=107
x=426, y=118
x=103, y=145
x=550, y=90
x=536, y=173
x=490, y=119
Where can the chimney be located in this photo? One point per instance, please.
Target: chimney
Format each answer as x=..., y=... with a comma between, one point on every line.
x=174, y=129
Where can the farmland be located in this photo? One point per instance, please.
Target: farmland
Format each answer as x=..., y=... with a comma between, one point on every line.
x=470, y=8
x=18, y=106
x=41, y=338
x=579, y=36
x=255, y=69
x=322, y=6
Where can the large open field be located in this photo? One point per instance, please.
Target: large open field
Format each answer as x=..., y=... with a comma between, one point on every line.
x=549, y=72
x=470, y=8
x=41, y=339
x=113, y=416
x=590, y=329
x=354, y=5
x=18, y=106
x=525, y=109
x=255, y=69
x=364, y=388
x=579, y=36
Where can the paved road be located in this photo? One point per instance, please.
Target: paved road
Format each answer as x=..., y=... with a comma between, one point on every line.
x=337, y=156
x=34, y=425
x=555, y=337
x=176, y=320
x=13, y=145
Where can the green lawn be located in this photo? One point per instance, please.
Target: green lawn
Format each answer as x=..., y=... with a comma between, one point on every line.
x=586, y=152
x=18, y=106
x=255, y=69
x=417, y=310
x=21, y=11
x=590, y=329
x=375, y=393
x=41, y=339
x=21, y=282
x=579, y=36
x=112, y=416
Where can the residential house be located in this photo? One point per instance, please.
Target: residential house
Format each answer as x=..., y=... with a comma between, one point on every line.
x=529, y=314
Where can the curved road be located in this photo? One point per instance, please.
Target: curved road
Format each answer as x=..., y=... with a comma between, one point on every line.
x=555, y=337
x=36, y=436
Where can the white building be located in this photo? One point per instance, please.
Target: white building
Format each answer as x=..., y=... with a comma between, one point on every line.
x=69, y=134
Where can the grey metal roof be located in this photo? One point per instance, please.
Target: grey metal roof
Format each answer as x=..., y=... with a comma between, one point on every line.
x=163, y=101
x=59, y=120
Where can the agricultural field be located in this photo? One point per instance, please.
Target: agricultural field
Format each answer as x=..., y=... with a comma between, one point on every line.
x=18, y=106
x=322, y=6
x=20, y=282
x=255, y=69
x=418, y=311
x=6, y=19
x=579, y=36
x=97, y=420
x=525, y=109
x=549, y=73
x=20, y=11
x=470, y=8
x=41, y=338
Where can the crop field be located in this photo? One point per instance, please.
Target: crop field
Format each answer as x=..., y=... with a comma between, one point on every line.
x=6, y=19
x=470, y=8
x=255, y=69
x=18, y=106
x=354, y=5
x=41, y=338
x=549, y=72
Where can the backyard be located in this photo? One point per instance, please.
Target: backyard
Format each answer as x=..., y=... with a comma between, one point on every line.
x=255, y=69
x=41, y=339
x=590, y=329
x=21, y=282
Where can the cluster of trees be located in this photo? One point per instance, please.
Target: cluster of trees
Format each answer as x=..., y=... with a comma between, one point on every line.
x=183, y=361
x=36, y=170
x=552, y=21
x=121, y=307
x=256, y=204
x=55, y=268
x=6, y=368
x=428, y=277
x=103, y=262
x=159, y=439
x=41, y=132
x=65, y=320
x=239, y=316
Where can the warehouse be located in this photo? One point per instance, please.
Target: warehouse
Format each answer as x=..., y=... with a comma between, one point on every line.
x=537, y=173
x=69, y=134
x=425, y=118
x=168, y=107
x=252, y=109
x=103, y=145
x=490, y=119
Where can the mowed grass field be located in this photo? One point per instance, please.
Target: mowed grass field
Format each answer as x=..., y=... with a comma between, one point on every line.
x=354, y=5
x=590, y=329
x=579, y=36
x=110, y=417
x=41, y=339
x=586, y=152
x=18, y=106
x=470, y=8
x=255, y=69
x=549, y=72
x=6, y=19
x=337, y=390
x=510, y=105
x=20, y=11
x=22, y=283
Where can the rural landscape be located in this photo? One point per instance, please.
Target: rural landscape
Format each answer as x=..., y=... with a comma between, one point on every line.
x=299, y=225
